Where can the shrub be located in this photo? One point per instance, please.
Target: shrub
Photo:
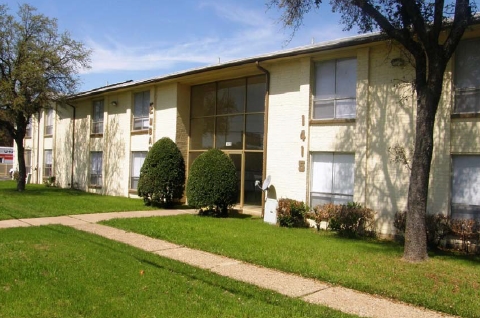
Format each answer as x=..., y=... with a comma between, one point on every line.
x=352, y=219
x=323, y=213
x=439, y=227
x=162, y=176
x=212, y=183
x=291, y=213
x=49, y=182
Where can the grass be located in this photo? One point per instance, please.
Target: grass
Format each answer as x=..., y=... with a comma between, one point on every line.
x=41, y=201
x=56, y=271
x=446, y=282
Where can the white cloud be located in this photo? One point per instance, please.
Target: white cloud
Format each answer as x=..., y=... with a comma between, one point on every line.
x=251, y=32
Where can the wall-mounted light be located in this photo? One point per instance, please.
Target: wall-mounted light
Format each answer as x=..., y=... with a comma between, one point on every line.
x=114, y=103
x=398, y=62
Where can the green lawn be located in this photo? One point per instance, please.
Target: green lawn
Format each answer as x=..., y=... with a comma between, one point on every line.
x=56, y=271
x=446, y=283
x=41, y=201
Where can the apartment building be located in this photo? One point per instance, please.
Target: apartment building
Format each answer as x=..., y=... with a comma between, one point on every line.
x=322, y=121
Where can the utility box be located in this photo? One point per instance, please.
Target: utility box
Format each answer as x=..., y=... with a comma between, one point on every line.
x=270, y=214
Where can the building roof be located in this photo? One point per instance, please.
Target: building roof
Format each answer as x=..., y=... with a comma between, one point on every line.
x=312, y=48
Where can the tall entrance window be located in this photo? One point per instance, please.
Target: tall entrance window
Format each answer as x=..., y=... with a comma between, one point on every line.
x=229, y=115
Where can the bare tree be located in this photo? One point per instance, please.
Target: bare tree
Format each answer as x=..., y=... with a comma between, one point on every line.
x=430, y=32
x=37, y=66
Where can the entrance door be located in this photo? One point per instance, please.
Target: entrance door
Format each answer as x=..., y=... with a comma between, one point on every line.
x=249, y=167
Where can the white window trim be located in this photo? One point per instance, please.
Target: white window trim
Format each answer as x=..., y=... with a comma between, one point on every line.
x=143, y=120
x=334, y=99
x=312, y=192
x=133, y=178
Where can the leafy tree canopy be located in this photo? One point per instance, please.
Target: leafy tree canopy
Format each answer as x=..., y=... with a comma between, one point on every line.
x=38, y=64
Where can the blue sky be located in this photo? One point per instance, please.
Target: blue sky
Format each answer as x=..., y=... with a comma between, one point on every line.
x=146, y=38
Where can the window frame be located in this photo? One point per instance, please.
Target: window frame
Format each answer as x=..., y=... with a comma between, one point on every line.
x=47, y=167
x=28, y=128
x=28, y=160
x=471, y=209
x=144, y=119
x=458, y=91
x=97, y=117
x=333, y=196
x=95, y=174
x=335, y=99
x=48, y=122
x=133, y=178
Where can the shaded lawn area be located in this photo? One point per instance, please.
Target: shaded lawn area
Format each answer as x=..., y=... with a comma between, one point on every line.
x=56, y=271
x=41, y=201
x=445, y=283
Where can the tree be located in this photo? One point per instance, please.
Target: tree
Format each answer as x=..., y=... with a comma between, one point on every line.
x=38, y=65
x=162, y=176
x=212, y=183
x=429, y=31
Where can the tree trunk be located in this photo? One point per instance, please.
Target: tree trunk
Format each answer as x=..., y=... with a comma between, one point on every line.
x=428, y=97
x=21, y=165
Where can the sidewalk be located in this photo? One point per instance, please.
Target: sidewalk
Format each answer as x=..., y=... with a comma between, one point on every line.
x=309, y=290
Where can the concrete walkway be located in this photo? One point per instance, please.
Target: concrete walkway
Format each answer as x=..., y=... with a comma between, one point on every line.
x=309, y=290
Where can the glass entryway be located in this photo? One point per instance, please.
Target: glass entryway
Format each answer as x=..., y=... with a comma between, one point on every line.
x=229, y=115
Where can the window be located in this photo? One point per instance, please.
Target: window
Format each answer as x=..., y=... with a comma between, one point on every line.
x=141, y=109
x=28, y=161
x=467, y=77
x=335, y=89
x=331, y=178
x=47, y=163
x=96, y=168
x=97, y=117
x=28, y=129
x=49, y=122
x=466, y=187
x=138, y=157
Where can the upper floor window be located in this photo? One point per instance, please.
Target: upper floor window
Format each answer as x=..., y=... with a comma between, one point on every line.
x=28, y=129
x=335, y=89
x=49, y=121
x=97, y=117
x=467, y=77
x=141, y=108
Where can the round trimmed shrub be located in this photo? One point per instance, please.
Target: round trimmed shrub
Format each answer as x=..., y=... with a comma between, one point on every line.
x=212, y=183
x=162, y=176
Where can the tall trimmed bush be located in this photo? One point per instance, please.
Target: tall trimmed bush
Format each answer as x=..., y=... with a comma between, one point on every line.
x=162, y=176
x=212, y=183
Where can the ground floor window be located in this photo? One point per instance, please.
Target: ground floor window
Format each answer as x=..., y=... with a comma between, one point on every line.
x=47, y=163
x=138, y=157
x=331, y=179
x=465, y=187
x=96, y=168
x=28, y=161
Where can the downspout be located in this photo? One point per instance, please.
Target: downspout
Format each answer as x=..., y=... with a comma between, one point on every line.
x=38, y=147
x=73, y=143
x=265, y=125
